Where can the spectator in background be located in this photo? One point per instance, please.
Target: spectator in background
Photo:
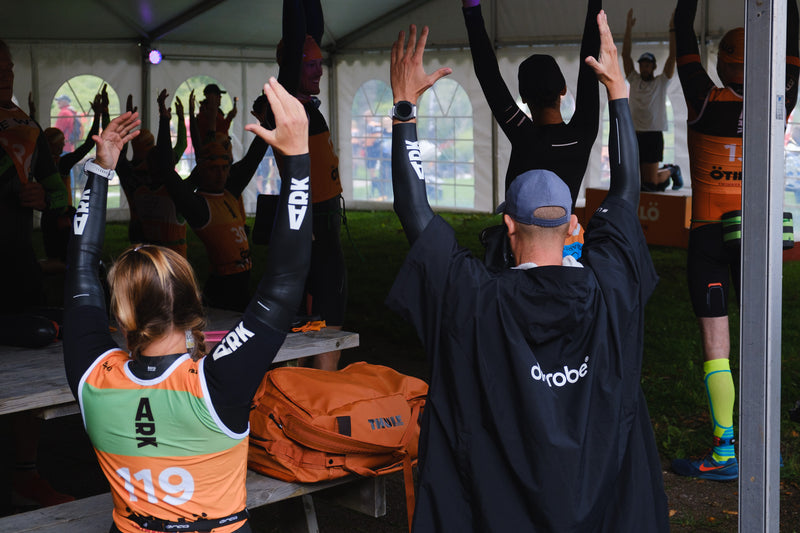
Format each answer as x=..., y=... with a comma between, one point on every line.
x=210, y=119
x=68, y=122
x=648, y=99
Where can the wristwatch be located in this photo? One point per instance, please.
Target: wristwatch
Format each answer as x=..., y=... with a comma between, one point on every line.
x=94, y=168
x=404, y=111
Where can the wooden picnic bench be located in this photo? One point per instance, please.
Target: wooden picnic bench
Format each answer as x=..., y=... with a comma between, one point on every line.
x=93, y=514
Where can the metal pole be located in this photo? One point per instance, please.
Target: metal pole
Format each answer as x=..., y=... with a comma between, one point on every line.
x=760, y=322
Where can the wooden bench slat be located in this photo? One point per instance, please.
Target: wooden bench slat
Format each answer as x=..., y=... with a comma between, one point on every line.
x=93, y=514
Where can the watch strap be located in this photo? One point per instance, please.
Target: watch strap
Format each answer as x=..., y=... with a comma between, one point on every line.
x=94, y=168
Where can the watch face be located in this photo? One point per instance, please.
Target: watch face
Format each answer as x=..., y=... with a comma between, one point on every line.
x=403, y=110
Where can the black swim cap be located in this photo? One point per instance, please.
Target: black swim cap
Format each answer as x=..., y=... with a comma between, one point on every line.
x=540, y=81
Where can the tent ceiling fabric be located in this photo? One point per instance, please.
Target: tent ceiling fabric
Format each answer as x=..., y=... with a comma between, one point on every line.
x=257, y=23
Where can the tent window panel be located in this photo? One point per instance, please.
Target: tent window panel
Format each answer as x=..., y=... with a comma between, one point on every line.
x=71, y=113
x=445, y=132
x=791, y=143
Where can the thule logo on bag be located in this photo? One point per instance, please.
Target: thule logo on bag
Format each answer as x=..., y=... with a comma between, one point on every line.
x=388, y=422
x=559, y=379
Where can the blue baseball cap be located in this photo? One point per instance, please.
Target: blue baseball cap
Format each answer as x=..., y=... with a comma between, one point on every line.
x=534, y=189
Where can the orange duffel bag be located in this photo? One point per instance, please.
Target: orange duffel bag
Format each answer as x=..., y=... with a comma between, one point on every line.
x=311, y=425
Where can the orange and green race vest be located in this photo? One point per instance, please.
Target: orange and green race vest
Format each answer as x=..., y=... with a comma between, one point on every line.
x=224, y=236
x=161, y=445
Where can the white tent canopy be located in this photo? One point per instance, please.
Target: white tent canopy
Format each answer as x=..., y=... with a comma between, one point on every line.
x=233, y=42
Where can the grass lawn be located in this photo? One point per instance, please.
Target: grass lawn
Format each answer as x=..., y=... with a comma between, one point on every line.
x=673, y=369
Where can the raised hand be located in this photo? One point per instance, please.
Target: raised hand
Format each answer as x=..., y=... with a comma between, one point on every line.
x=290, y=136
x=129, y=107
x=606, y=66
x=118, y=132
x=163, y=110
x=31, y=106
x=104, y=97
x=191, y=104
x=97, y=104
x=179, y=108
x=631, y=20
x=408, y=77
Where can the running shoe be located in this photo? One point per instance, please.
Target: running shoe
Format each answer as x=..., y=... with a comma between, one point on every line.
x=707, y=468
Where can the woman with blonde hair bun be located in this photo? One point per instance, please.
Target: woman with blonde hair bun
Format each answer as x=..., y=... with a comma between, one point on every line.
x=169, y=423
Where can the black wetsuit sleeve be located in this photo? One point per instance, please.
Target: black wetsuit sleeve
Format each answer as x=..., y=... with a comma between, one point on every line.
x=294, y=34
x=193, y=207
x=243, y=170
x=235, y=369
x=587, y=97
x=69, y=160
x=695, y=81
x=86, y=332
x=408, y=181
x=315, y=20
x=792, y=55
x=504, y=108
x=623, y=154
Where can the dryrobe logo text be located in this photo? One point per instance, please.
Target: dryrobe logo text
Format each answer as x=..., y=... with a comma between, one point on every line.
x=559, y=379
x=81, y=214
x=298, y=202
x=415, y=158
x=232, y=341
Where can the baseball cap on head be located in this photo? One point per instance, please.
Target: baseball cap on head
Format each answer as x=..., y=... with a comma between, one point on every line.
x=647, y=56
x=534, y=189
x=213, y=88
x=64, y=97
x=731, y=47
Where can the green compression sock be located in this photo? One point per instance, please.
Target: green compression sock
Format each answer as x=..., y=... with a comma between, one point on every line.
x=721, y=395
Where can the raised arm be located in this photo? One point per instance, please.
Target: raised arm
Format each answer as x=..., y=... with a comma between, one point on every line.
x=502, y=103
x=623, y=150
x=587, y=95
x=695, y=81
x=280, y=289
x=235, y=370
x=85, y=330
x=294, y=34
x=180, y=142
x=315, y=20
x=627, y=60
x=669, y=64
x=409, y=81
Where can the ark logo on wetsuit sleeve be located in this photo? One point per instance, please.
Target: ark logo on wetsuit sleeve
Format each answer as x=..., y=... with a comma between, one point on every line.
x=232, y=341
x=298, y=202
x=559, y=379
x=415, y=158
x=81, y=214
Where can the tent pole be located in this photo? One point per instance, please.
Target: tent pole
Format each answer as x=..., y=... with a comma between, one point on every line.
x=760, y=319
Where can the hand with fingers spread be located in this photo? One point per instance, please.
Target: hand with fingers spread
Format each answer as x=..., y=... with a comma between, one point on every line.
x=118, y=132
x=179, y=108
x=97, y=104
x=290, y=136
x=606, y=66
x=408, y=77
x=163, y=110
